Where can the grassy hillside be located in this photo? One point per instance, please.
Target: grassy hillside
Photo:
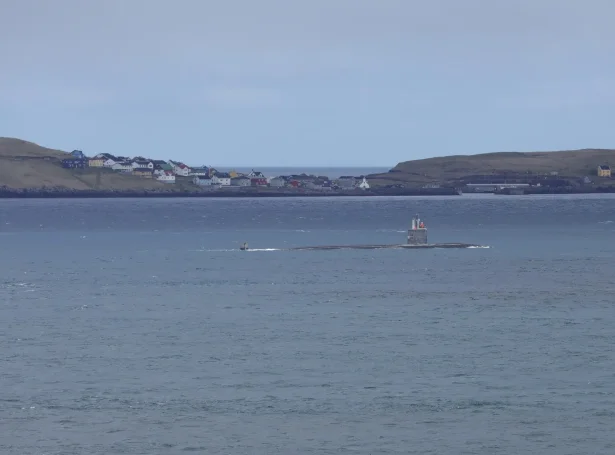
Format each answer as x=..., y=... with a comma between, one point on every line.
x=450, y=169
x=27, y=165
x=11, y=147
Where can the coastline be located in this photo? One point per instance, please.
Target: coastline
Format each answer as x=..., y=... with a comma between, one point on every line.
x=52, y=193
x=552, y=190
x=59, y=193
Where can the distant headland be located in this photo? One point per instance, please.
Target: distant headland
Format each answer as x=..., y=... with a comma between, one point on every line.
x=28, y=170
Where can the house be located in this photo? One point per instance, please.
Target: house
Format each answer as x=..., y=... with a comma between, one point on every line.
x=163, y=167
x=256, y=175
x=258, y=181
x=74, y=163
x=604, y=170
x=222, y=179
x=140, y=164
x=180, y=168
x=78, y=154
x=105, y=156
x=202, y=180
x=364, y=185
x=240, y=181
x=166, y=177
x=158, y=162
x=204, y=170
x=123, y=166
x=318, y=184
x=144, y=172
x=160, y=169
x=96, y=162
x=109, y=159
x=277, y=182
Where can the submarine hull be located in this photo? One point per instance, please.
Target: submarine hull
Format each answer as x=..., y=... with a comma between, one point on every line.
x=380, y=247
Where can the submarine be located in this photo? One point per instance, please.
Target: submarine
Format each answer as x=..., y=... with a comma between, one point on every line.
x=417, y=239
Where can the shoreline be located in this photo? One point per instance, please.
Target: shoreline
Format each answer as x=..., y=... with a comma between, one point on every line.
x=544, y=191
x=48, y=193
x=234, y=193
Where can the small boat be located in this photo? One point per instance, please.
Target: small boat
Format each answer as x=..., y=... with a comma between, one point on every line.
x=244, y=247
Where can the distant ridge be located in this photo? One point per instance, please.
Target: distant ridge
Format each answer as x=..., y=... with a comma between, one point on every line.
x=573, y=163
x=27, y=165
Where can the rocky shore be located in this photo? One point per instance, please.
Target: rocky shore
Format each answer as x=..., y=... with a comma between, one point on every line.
x=11, y=193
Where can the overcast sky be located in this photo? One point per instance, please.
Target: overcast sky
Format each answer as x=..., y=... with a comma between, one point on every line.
x=308, y=82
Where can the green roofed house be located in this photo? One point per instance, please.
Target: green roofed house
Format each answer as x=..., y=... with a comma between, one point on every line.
x=162, y=169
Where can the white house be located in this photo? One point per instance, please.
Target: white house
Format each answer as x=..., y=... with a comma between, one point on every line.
x=109, y=162
x=221, y=179
x=122, y=167
x=142, y=164
x=256, y=175
x=364, y=185
x=180, y=168
x=166, y=177
x=202, y=180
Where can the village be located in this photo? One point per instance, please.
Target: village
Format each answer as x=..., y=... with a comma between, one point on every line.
x=207, y=177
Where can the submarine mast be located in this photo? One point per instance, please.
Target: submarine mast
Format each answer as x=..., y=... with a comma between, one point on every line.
x=417, y=234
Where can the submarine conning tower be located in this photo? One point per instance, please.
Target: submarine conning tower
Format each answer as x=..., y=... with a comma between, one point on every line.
x=417, y=234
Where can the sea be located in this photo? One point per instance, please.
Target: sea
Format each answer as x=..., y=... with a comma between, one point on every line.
x=136, y=326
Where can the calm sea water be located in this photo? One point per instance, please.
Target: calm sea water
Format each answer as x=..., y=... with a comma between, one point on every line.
x=136, y=327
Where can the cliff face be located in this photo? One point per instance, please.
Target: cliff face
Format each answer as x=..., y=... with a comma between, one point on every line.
x=24, y=164
x=573, y=163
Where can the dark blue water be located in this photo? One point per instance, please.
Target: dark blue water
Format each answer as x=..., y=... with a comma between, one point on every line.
x=136, y=327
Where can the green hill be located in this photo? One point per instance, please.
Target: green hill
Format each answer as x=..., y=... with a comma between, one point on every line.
x=25, y=164
x=453, y=169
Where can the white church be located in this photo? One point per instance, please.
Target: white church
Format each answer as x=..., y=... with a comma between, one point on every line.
x=364, y=185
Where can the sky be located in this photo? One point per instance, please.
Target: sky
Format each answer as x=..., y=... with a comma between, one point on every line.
x=307, y=82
